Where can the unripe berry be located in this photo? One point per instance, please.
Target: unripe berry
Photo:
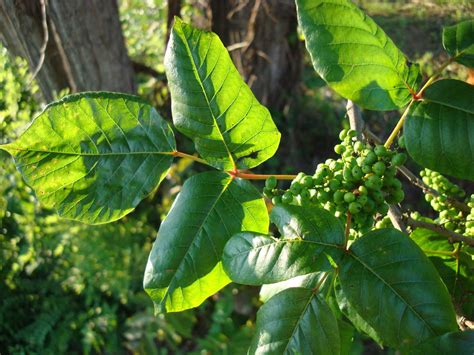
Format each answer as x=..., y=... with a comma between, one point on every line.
x=271, y=182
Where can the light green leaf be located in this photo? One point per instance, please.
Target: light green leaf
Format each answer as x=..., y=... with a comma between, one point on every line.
x=450, y=343
x=309, y=234
x=94, y=156
x=308, y=281
x=458, y=40
x=394, y=287
x=354, y=55
x=211, y=103
x=184, y=266
x=296, y=321
x=439, y=129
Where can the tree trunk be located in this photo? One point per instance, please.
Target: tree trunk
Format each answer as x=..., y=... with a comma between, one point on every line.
x=85, y=49
x=262, y=39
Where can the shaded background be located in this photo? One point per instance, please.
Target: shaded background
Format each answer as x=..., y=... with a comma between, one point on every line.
x=69, y=288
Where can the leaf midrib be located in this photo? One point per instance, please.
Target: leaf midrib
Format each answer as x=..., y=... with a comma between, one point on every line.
x=173, y=278
x=200, y=81
x=7, y=148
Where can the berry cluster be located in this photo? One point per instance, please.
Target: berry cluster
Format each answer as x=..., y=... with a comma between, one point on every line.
x=449, y=216
x=362, y=181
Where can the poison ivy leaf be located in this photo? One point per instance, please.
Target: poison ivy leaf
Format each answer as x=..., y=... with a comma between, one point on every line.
x=211, y=103
x=308, y=281
x=94, y=156
x=309, y=234
x=357, y=321
x=450, y=343
x=296, y=321
x=439, y=129
x=354, y=55
x=458, y=40
x=393, y=286
x=456, y=274
x=184, y=266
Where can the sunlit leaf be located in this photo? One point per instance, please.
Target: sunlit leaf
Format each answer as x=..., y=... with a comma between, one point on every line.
x=94, y=156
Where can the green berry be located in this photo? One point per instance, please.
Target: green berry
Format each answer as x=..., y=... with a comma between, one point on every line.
x=370, y=158
x=399, y=159
x=338, y=197
x=339, y=149
x=349, y=197
x=362, y=199
x=379, y=168
x=295, y=187
x=343, y=134
x=354, y=207
x=287, y=197
x=351, y=133
x=276, y=200
x=307, y=181
x=357, y=173
x=334, y=184
x=380, y=150
x=373, y=182
x=271, y=182
x=366, y=168
x=363, y=190
x=401, y=142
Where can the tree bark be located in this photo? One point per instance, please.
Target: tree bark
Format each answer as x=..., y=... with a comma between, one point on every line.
x=85, y=50
x=262, y=39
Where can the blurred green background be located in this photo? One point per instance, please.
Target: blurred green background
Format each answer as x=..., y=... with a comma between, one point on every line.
x=71, y=288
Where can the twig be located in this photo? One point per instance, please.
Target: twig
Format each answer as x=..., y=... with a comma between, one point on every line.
x=44, y=22
x=396, y=218
x=355, y=118
x=452, y=236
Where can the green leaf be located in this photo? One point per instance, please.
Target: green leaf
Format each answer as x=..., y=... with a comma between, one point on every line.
x=394, y=287
x=450, y=343
x=184, y=266
x=357, y=321
x=94, y=156
x=211, y=103
x=296, y=321
x=309, y=234
x=458, y=40
x=354, y=55
x=456, y=275
x=308, y=281
x=439, y=129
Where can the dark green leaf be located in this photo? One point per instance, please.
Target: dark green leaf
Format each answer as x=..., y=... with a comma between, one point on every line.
x=458, y=40
x=450, y=343
x=456, y=275
x=354, y=56
x=309, y=234
x=439, y=129
x=296, y=321
x=211, y=103
x=394, y=287
x=94, y=156
x=357, y=321
x=184, y=267
x=308, y=281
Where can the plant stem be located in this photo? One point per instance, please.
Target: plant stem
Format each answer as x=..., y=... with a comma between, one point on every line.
x=248, y=176
x=452, y=236
x=440, y=252
x=399, y=125
x=434, y=76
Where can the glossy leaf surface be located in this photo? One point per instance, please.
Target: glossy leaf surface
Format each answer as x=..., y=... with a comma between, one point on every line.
x=211, y=103
x=184, y=266
x=94, y=156
x=439, y=130
x=354, y=55
x=296, y=321
x=458, y=40
x=308, y=235
x=394, y=287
